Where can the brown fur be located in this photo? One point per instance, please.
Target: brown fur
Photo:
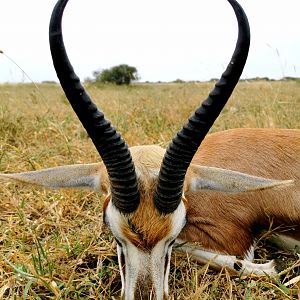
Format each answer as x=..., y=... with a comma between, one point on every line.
x=146, y=226
x=228, y=222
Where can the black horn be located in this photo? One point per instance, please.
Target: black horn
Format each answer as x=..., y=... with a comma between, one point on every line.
x=185, y=144
x=111, y=147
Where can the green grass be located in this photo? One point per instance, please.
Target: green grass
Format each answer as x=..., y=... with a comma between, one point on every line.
x=53, y=244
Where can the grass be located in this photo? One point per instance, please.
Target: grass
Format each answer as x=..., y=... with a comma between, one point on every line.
x=53, y=244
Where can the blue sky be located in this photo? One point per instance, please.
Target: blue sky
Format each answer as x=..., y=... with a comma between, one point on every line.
x=164, y=39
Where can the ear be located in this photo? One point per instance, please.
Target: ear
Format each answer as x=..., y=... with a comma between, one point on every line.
x=209, y=178
x=72, y=176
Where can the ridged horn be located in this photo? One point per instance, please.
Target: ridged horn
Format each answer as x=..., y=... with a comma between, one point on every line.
x=111, y=147
x=184, y=145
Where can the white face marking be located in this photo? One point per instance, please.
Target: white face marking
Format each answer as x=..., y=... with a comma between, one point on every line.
x=152, y=266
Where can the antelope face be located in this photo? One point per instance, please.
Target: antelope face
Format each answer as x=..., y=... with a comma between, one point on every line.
x=144, y=244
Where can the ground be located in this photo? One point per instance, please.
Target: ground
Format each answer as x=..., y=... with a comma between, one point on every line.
x=53, y=244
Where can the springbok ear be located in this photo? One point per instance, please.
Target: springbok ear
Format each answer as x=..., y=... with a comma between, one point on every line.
x=209, y=178
x=86, y=176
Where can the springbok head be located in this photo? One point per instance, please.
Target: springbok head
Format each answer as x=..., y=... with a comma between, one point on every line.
x=145, y=186
x=145, y=207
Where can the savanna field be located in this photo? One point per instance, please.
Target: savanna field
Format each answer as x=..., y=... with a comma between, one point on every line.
x=53, y=244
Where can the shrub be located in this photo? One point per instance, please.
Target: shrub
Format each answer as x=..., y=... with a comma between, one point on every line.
x=121, y=74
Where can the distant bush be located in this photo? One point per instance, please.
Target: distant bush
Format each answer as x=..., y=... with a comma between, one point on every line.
x=121, y=74
x=179, y=81
x=289, y=78
x=49, y=82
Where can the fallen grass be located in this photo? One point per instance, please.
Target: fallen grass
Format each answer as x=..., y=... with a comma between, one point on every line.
x=53, y=244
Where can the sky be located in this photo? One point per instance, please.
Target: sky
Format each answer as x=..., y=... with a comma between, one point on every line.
x=164, y=39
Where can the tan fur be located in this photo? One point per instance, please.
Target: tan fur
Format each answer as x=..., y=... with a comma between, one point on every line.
x=228, y=222
x=146, y=227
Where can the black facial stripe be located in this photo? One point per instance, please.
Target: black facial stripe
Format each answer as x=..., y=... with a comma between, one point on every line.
x=122, y=259
x=119, y=243
x=105, y=221
x=172, y=243
x=166, y=262
x=122, y=262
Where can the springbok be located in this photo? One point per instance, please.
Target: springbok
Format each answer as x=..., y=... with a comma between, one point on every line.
x=213, y=200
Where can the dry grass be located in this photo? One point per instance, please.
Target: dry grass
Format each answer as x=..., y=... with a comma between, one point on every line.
x=53, y=245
